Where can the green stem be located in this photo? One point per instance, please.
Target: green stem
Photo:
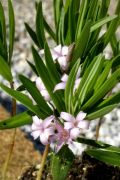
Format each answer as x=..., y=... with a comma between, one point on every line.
x=39, y=175
x=9, y=155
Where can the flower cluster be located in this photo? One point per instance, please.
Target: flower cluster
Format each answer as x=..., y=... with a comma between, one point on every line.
x=67, y=128
x=58, y=132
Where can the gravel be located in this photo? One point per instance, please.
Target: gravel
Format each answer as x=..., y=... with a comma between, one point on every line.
x=25, y=12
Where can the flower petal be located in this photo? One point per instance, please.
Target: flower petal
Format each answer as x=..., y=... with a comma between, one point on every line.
x=37, y=121
x=81, y=115
x=59, y=86
x=59, y=146
x=39, y=84
x=56, y=52
x=63, y=62
x=45, y=94
x=49, y=131
x=64, y=50
x=43, y=139
x=48, y=121
x=35, y=134
x=64, y=78
x=84, y=124
x=74, y=133
x=68, y=125
x=67, y=116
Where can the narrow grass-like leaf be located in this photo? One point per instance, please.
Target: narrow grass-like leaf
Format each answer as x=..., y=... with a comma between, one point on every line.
x=24, y=99
x=51, y=66
x=44, y=75
x=69, y=90
x=11, y=29
x=105, y=156
x=32, y=34
x=103, y=90
x=3, y=51
x=5, y=70
x=100, y=112
x=32, y=89
x=103, y=76
x=113, y=99
x=101, y=22
x=57, y=4
x=3, y=24
x=49, y=30
x=88, y=80
x=16, y=121
x=40, y=26
x=81, y=21
x=33, y=67
x=81, y=42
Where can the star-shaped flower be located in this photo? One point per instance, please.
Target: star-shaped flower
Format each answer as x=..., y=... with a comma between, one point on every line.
x=74, y=124
x=42, y=128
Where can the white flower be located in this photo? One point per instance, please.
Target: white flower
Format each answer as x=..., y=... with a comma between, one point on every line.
x=42, y=128
x=59, y=53
x=64, y=78
x=75, y=124
x=42, y=89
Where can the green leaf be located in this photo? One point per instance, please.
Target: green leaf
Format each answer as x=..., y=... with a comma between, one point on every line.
x=98, y=144
x=40, y=26
x=105, y=156
x=103, y=90
x=57, y=4
x=81, y=42
x=88, y=80
x=101, y=22
x=51, y=66
x=32, y=34
x=44, y=75
x=61, y=163
x=11, y=29
x=69, y=90
x=81, y=21
x=100, y=112
x=24, y=99
x=111, y=30
x=103, y=75
x=111, y=100
x=33, y=67
x=3, y=24
x=5, y=70
x=3, y=51
x=49, y=30
x=16, y=121
x=32, y=89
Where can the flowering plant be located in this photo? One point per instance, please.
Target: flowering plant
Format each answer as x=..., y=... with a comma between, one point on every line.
x=73, y=79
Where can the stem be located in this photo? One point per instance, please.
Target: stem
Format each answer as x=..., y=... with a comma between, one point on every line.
x=9, y=155
x=39, y=175
x=98, y=129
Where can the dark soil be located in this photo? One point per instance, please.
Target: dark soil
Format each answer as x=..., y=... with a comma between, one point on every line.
x=85, y=168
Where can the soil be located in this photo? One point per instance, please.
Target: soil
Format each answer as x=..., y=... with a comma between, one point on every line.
x=83, y=168
x=24, y=154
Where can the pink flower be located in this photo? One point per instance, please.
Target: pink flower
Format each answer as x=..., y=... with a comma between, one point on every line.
x=42, y=128
x=62, y=84
x=74, y=124
x=42, y=89
x=59, y=53
x=60, y=138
